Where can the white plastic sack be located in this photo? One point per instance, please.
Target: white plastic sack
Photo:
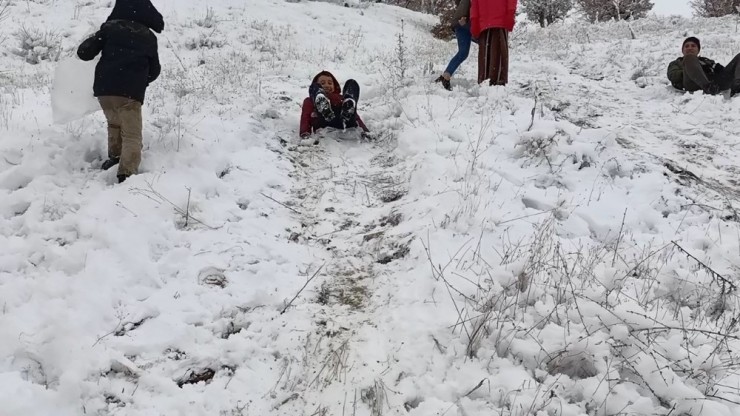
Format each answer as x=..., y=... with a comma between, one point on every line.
x=72, y=91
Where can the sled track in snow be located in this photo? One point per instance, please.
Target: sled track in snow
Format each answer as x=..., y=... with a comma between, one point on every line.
x=345, y=192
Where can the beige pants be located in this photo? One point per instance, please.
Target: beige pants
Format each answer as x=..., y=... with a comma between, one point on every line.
x=124, y=132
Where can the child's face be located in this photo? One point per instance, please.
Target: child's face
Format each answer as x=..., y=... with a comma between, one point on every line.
x=327, y=84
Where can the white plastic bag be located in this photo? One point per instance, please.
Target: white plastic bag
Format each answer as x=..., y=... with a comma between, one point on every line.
x=72, y=91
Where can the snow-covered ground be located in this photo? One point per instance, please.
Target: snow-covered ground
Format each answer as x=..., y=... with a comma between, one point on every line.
x=567, y=245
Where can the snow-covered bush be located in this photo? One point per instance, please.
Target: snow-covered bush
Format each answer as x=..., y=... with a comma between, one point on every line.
x=546, y=12
x=37, y=45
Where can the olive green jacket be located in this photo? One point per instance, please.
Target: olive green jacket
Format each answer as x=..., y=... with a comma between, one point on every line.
x=462, y=10
x=676, y=72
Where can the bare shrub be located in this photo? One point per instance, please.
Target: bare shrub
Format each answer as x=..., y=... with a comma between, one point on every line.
x=4, y=9
x=209, y=21
x=546, y=12
x=444, y=29
x=643, y=314
x=204, y=41
x=603, y=10
x=426, y=6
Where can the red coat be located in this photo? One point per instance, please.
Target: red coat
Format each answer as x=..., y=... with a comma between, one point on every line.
x=310, y=119
x=488, y=14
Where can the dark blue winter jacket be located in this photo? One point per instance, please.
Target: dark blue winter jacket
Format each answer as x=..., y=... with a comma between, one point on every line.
x=129, y=60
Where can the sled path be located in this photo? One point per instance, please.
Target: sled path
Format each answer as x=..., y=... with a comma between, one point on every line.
x=345, y=192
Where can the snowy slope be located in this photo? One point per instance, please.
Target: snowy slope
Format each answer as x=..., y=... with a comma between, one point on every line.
x=566, y=245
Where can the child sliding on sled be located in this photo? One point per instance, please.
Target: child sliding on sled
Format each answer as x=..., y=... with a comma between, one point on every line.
x=326, y=106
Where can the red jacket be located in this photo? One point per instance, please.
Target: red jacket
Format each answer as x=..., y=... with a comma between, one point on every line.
x=487, y=14
x=310, y=119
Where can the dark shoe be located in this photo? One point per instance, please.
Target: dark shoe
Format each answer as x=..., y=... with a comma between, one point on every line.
x=348, y=109
x=122, y=178
x=445, y=82
x=712, y=88
x=323, y=106
x=351, y=90
x=735, y=90
x=113, y=161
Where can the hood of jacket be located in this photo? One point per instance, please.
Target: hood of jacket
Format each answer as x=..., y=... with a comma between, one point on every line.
x=337, y=87
x=139, y=11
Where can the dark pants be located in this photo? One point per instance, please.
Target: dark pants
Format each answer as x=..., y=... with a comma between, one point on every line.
x=695, y=79
x=493, y=56
x=729, y=77
x=464, y=38
x=351, y=90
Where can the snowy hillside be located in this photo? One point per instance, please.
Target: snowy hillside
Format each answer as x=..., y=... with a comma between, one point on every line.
x=567, y=245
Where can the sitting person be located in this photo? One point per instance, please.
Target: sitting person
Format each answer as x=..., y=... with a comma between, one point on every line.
x=693, y=73
x=327, y=107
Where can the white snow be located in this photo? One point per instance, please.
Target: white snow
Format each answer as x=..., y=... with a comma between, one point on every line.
x=672, y=7
x=566, y=245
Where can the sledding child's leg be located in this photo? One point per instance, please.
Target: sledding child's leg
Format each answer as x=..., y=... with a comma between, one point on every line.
x=321, y=102
x=350, y=96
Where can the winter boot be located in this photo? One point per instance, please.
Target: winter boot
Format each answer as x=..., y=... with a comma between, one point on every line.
x=323, y=106
x=348, y=109
x=350, y=93
x=112, y=161
x=445, y=82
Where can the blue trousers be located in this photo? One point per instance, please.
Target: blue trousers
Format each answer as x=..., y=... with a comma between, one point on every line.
x=464, y=38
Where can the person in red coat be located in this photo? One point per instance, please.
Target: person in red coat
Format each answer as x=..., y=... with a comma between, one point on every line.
x=491, y=21
x=327, y=106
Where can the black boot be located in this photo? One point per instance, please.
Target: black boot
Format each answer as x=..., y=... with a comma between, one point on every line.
x=321, y=102
x=112, y=161
x=323, y=106
x=445, y=82
x=348, y=109
x=350, y=93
